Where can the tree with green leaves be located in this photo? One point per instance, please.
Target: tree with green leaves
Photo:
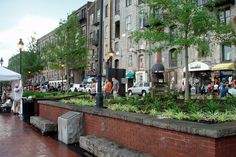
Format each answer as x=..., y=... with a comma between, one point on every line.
x=32, y=62
x=68, y=47
x=184, y=24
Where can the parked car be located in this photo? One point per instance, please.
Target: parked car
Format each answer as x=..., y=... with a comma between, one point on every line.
x=87, y=88
x=140, y=89
x=78, y=87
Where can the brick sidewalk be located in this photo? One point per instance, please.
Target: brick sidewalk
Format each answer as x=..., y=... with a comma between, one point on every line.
x=17, y=139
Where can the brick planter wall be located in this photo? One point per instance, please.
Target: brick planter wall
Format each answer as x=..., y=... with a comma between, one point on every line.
x=161, y=141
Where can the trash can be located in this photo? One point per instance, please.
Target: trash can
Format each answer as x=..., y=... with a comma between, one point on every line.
x=28, y=109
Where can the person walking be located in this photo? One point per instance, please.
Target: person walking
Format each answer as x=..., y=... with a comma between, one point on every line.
x=93, y=88
x=108, y=89
x=115, y=87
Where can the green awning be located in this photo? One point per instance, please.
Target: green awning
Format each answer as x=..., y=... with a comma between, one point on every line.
x=130, y=75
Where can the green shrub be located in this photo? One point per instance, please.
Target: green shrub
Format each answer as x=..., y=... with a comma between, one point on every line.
x=119, y=107
x=197, y=116
x=154, y=112
x=181, y=116
x=156, y=105
x=169, y=113
x=80, y=102
x=211, y=106
x=191, y=106
x=170, y=105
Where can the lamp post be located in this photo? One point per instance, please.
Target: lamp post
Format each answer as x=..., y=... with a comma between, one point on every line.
x=62, y=84
x=1, y=61
x=99, y=96
x=20, y=46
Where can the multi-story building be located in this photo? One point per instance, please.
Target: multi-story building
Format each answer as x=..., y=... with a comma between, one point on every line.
x=93, y=37
x=218, y=64
x=121, y=18
x=51, y=74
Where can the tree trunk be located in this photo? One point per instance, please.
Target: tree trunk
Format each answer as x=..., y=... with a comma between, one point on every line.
x=67, y=78
x=186, y=97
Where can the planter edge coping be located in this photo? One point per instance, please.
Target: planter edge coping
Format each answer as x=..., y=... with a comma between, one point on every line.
x=209, y=130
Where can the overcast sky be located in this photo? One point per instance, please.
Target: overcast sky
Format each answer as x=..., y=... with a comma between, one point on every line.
x=23, y=18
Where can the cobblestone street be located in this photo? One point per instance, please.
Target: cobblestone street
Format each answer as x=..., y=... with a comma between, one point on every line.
x=19, y=140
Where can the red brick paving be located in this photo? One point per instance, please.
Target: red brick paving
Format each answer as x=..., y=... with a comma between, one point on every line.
x=17, y=139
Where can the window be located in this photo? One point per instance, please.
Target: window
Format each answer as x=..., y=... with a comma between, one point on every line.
x=140, y=1
x=93, y=53
x=83, y=13
x=128, y=3
x=117, y=29
x=98, y=15
x=141, y=62
x=129, y=43
x=91, y=36
x=91, y=19
x=106, y=32
x=143, y=20
x=202, y=2
x=147, y=84
x=116, y=46
x=117, y=7
x=225, y=16
x=130, y=61
x=106, y=11
x=173, y=31
x=173, y=58
x=226, y=53
x=117, y=63
x=84, y=29
x=128, y=23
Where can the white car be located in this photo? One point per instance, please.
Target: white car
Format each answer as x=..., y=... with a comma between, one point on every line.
x=79, y=87
x=140, y=89
x=87, y=88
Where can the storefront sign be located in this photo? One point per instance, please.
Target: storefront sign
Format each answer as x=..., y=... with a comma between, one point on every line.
x=226, y=72
x=195, y=66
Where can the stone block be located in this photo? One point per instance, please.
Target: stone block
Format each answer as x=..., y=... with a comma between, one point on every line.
x=70, y=127
x=43, y=124
x=101, y=147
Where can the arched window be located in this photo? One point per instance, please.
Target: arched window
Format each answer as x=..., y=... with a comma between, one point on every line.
x=173, y=57
x=117, y=63
x=141, y=62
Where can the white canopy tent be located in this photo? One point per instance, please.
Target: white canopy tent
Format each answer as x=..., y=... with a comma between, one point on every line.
x=15, y=78
x=8, y=75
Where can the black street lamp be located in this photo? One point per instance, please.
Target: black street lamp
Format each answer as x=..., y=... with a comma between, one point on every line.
x=99, y=96
x=20, y=46
x=1, y=61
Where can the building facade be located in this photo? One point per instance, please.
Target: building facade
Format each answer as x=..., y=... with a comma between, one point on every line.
x=52, y=74
x=219, y=64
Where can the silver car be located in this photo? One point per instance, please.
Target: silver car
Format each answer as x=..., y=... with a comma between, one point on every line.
x=140, y=89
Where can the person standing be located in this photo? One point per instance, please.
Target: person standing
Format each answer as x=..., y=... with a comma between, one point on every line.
x=108, y=89
x=183, y=88
x=17, y=98
x=4, y=96
x=115, y=87
x=93, y=88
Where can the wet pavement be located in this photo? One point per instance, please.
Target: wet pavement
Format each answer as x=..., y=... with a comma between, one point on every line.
x=18, y=139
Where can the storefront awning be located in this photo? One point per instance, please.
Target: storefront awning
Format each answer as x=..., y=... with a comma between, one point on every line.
x=197, y=66
x=130, y=75
x=223, y=66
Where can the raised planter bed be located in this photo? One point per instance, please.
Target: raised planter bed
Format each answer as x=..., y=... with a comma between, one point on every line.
x=152, y=135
